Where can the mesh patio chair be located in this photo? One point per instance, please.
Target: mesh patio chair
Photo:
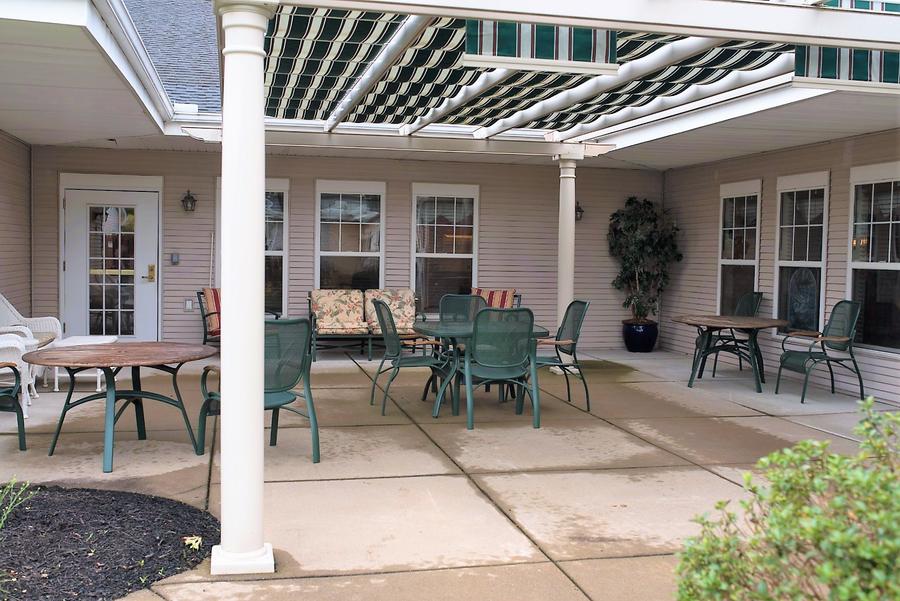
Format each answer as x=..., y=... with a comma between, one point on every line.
x=728, y=341
x=455, y=307
x=9, y=399
x=394, y=345
x=287, y=361
x=501, y=351
x=565, y=344
x=836, y=337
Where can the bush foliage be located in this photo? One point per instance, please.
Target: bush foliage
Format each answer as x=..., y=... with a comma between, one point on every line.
x=826, y=526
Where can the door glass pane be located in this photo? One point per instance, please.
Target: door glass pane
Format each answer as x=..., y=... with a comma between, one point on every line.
x=737, y=280
x=436, y=277
x=111, y=248
x=360, y=273
x=879, y=319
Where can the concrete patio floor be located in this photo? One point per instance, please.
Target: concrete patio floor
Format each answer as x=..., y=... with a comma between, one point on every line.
x=407, y=507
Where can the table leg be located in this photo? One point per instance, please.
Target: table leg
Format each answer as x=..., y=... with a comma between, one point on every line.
x=184, y=415
x=55, y=379
x=754, y=350
x=705, y=337
x=138, y=403
x=65, y=409
x=109, y=425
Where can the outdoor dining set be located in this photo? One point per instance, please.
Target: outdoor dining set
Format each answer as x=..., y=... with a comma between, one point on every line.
x=477, y=340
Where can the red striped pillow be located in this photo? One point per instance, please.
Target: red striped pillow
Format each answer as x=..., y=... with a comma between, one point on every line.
x=499, y=298
x=213, y=301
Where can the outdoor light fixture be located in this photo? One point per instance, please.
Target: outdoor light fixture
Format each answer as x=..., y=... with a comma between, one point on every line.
x=579, y=211
x=189, y=202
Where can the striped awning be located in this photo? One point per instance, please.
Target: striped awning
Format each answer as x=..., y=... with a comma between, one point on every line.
x=316, y=55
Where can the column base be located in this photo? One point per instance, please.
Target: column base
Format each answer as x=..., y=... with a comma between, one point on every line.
x=261, y=561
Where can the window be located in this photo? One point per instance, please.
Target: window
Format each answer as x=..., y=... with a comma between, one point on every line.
x=276, y=241
x=875, y=253
x=739, y=240
x=445, y=238
x=276, y=218
x=800, y=250
x=349, y=252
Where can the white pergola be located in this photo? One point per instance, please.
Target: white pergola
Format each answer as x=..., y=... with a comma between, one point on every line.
x=705, y=25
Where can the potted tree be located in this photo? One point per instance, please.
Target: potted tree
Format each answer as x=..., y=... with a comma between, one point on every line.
x=642, y=238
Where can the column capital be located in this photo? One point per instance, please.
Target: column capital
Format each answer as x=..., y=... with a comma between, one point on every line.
x=263, y=7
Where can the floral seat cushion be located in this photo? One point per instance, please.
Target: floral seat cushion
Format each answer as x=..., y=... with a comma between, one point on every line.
x=402, y=303
x=498, y=299
x=338, y=312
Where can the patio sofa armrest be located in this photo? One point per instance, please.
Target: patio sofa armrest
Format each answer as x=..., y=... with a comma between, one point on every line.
x=44, y=324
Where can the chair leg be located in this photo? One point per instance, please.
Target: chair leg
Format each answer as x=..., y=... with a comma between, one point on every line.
x=428, y=385
x=273, y=433
x=375, y=382
x=20, y=424
x=830, y=373
x=862, y=390
x=760, y=367
x=805, y=384
x=387, y=388
x=457, y=393
x=778, y=379
x=520, y=401
x=535, y=397
x=313, y=420
x=470, y=402
x=201, y=428
x=565, y=371
x=716, y=364
x=587, y=393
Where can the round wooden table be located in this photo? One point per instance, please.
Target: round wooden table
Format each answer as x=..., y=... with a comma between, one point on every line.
x=111, y=358
x=707, y=327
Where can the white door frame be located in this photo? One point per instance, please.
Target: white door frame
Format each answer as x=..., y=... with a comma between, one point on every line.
x=125, y=183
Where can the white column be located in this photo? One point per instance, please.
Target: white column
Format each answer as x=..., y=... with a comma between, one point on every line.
x=565, y=263
x=242, y=550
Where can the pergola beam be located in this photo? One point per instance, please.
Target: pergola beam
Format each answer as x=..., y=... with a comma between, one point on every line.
x=406, y=34
x=669, y=54
x=777, y=72
x=726, y=19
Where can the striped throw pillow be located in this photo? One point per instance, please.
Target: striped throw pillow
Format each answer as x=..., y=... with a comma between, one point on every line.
x=499, y=298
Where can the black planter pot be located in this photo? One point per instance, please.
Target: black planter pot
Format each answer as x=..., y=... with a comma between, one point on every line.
x=640, y=338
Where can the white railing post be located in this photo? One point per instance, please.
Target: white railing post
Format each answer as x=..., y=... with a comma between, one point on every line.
x=242, y=550
x=565, y=276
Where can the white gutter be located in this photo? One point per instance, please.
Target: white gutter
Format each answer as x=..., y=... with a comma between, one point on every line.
x=411, y=28
x=118, y=22
x=485, y=81
x=784, y=64
x=665, y=56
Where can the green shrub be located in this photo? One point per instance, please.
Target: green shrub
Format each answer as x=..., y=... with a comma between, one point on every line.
x=826, y=526
x=12, y=494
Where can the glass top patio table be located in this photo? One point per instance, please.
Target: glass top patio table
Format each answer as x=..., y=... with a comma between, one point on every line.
x=461, y=329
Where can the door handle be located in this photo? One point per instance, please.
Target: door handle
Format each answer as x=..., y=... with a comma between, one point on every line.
x=151, y=273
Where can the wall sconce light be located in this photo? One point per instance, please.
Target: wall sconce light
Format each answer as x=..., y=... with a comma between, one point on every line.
x=579, y=211
x=188, y=202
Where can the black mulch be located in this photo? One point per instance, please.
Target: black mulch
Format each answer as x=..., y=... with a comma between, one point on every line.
x=81, y=543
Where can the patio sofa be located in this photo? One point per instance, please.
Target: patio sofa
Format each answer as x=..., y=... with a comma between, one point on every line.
x=341, y=316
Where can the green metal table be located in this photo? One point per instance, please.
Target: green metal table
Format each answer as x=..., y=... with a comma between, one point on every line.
x=708, y=325
x=168, y=357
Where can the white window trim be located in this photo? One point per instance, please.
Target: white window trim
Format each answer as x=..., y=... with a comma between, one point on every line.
x=732, y=190
x=792, y=183
x=436, y=189
x=273, y=184
x=861, y=175
x=329, y=186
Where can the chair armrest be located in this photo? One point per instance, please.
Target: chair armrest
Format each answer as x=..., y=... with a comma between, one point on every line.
x=44, y=324
x=833, y=339
x=21, y=331
x=554, y=342
x=803, y=334
x=209, y=369
x=420, y=342
x=8, y=364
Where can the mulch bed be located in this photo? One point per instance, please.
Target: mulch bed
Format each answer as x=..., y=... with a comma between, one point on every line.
x=80, y=543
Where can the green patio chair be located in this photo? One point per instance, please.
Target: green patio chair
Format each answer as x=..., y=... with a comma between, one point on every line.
x=287, y=361
x=9, y=400
x=566, y=344
x=837, y=337
x=455, y=307
x=728, y=341
x=501, y=351
x=438, y=362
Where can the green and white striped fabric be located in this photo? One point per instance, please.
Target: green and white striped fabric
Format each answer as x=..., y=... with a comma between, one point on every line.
x=547, y=42
x=851, y=64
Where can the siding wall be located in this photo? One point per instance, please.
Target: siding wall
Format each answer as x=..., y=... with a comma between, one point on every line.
x=15, y=223
x=517, y=237
x=693, y=196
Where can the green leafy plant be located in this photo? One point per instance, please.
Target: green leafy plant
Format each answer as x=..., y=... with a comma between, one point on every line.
x=825, y=527
x=642, y=238
x=12, y=494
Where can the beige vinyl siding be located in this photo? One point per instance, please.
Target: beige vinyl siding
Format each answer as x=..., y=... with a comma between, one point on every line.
x=15, y=223
x=693, y=196
x=517, y=218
